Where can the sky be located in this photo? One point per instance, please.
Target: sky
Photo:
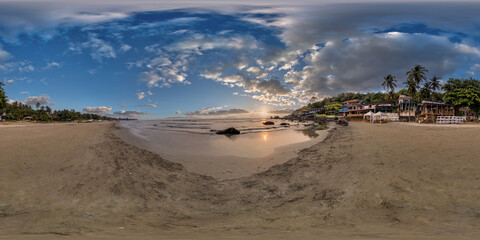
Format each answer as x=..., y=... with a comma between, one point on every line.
x=152, y=59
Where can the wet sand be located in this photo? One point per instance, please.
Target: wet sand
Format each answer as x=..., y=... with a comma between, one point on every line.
x=225, y=157
x=365, y=181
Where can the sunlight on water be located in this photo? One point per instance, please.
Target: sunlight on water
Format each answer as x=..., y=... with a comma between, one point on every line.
x=265, y=136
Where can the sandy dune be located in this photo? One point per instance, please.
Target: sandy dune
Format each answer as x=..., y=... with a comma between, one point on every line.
x=391, y=181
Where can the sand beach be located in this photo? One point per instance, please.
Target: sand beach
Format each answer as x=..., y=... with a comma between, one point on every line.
x=364, y=181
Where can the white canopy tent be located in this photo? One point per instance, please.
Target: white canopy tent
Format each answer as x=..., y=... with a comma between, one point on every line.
x=379, y=116
x=368, y=116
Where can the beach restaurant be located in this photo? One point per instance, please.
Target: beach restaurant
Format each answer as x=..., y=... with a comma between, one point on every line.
x=431, y=110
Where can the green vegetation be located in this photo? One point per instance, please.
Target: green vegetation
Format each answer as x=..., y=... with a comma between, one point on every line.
x=460, y=92
x=389, y=84
x=20, y=111
x=3, y=98
x=342, y=97
x=414, y=78
x=463, y=93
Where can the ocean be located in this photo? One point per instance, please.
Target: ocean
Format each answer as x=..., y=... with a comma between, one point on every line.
x=193, y=143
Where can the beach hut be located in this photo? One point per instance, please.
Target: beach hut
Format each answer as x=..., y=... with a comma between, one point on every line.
x=431, y=110
x=368, y=116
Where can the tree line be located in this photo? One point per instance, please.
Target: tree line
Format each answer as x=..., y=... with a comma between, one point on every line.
x=460, y=92
x=20, y=111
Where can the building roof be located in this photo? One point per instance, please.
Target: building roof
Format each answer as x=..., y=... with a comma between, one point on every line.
x=382, y=102
x=405, y=102
x=437, y=103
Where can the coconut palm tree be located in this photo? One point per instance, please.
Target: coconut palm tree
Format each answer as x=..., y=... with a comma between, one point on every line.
x=411, y=87
x=426, y=91
x=415, y=77
x=389, y=83
x=435, y=83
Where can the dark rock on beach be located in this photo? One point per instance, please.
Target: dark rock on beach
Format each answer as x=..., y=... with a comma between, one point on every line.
x=268, y=123
x=285, y=124
x=342, y=122
x=229, y=131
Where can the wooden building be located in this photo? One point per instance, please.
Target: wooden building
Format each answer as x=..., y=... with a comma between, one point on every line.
x=431, y=110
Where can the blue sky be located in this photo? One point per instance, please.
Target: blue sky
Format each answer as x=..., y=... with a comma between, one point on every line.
x=152, y=60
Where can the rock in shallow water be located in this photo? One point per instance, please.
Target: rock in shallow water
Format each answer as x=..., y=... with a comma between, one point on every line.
x=228, y=131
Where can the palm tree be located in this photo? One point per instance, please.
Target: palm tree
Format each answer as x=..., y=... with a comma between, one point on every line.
x=435, y=83
x=415, y=77
x=37, y=105
x=411, y=87
x=389, y=83
x=417, y=74
x=426, y=91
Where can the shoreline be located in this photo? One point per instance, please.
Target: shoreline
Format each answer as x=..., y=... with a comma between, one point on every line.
x=96, y=185
x=222, y=166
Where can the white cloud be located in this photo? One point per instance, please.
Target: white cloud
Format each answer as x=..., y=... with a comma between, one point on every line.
x=98, y=110
x=51, y=65
x=200, y=42
x=227, y=112
x=216, y=111
x=203, y=111
x=26, y=68
x=148, y=105
x=125, y=48
x=151, y=78
x=141, y=95
x=24, y=92
x=166, y=71
x=99, y=49
x=88, y=17
x=42, y=100
x=353, y=65
x=178, y=112
x=4, y=55
x=254, y=70
x=211, y=75
x=128, y=114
